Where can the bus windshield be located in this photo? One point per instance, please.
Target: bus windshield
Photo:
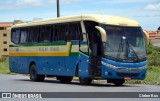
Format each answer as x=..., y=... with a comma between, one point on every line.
x=124, y=43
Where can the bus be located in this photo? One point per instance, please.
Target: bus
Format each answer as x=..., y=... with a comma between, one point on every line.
x=91, y=47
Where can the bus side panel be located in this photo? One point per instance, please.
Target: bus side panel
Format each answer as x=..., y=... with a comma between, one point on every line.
x=18, y=65
x=71, y=65
x=13, y=64
x=22, y=63
x=61, y=66
x=51, y=65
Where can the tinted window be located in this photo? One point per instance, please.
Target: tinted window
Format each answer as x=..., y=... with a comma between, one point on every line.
x=45, y=34
x=54, y=33
x=74, y=31
x=24, y=35
x=61, y=32
x=15, y=36
x=33, y=34
x=90, y=26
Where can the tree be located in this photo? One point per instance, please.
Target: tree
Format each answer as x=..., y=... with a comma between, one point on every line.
x=159, y=28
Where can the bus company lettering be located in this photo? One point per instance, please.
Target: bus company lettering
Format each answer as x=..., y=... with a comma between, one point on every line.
x=54, y=49
x=46, y=49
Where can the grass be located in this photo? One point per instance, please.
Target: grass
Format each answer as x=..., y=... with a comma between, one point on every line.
x=152, y=77
x=4, y=66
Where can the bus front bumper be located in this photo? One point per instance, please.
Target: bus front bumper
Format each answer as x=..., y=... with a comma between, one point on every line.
x=127, y=71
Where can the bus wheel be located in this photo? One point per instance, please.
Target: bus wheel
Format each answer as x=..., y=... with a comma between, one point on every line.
x=33, y=74
x=65, y=79
x=119, y=82
x=85, y=81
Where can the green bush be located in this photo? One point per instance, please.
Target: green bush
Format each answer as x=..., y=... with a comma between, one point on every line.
x=153, y=55
x=3, y=58
x=4, y=66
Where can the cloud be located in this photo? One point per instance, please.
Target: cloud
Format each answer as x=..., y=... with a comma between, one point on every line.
x=19, y=4
x=153, y=7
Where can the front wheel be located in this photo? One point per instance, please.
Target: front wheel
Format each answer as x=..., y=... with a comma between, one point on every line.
x=33, y=74
x=85, y=81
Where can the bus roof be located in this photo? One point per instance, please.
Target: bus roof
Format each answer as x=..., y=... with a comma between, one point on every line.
x=104, y=19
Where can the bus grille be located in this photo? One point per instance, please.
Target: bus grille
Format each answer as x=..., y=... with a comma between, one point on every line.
x=127, y=74
x=128, y=69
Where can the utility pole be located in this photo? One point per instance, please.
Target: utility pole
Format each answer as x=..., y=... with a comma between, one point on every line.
x=58, y=9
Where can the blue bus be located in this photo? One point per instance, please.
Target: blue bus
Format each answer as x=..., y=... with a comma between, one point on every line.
x=87, y=46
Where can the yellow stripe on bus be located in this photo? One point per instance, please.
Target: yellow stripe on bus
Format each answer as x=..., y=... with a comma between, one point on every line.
x=40, y=54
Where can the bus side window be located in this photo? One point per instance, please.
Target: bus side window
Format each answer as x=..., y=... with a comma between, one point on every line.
x=24, y=35
x=54, y=33
x=33, y=34
x=15, y=36
x=45, y=34
x=74, y=32
x=61, y=32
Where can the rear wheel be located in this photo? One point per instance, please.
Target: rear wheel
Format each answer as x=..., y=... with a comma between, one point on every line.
x=65, y=79
x=85, y=81
x=33, y=74
x=118, y=82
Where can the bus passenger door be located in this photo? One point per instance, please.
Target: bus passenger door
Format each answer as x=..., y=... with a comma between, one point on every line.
x=84, y=70
x=96, y=54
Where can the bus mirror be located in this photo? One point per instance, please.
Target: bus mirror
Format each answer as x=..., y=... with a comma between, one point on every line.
x=103, y=33
x=146, y=37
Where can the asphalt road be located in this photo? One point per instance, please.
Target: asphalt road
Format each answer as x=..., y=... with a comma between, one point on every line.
x=20, y=83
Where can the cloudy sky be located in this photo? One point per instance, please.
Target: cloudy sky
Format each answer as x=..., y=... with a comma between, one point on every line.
x=146, y=12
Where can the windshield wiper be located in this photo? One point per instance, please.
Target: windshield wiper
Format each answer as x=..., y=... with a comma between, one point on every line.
x=133, y=51
x=128, y=54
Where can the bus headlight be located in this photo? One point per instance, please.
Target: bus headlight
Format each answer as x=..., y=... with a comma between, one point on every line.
x=109, y=65
x=143, y=67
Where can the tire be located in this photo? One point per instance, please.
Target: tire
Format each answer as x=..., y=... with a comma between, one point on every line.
x=65, y=79
x=118, y=82
x=85, y=81
x=33, y=74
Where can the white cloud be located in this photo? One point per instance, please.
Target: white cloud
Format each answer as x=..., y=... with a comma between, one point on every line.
x=153, y=7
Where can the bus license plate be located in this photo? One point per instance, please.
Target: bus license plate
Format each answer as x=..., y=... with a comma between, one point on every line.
x=127, y=78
